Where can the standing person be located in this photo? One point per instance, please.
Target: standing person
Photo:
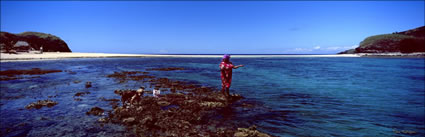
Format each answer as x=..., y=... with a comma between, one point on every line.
x=226, y=68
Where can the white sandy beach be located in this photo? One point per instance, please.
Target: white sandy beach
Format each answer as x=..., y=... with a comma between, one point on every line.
x=5, y=57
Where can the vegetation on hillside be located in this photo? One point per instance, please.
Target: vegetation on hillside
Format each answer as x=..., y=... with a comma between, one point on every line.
x=49, y=42
x=405, y=42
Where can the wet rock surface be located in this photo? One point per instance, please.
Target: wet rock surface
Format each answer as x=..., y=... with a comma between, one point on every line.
x=33, y=71
x=130, y=75
x=113, y=102
x=77, y=81
x=409, y=132
x=104, y=99
x=174, y=114
x=88, y=84
x=12, y=74
x=81, y=94
x=183, y=109
x=165, y=69
x=95, y=111
x=8, y=78
x=41, y=103
x=186, y=111
x=249, y=132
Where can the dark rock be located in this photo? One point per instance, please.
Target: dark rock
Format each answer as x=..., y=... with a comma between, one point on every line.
x=113, y=99
x=165, y=69
x=250, y=132
x=41, y=103
x=95, y=111
x=184, y=112
x=148, y=92
x=52, y=96
x=130, y=75
x=235, y=97
x=404, y=131
x=88, y=84
x=150, y=117
x=129, y=120
x=163, y=103
x=113, y=102
x=102, y=120
x=33, y=71
x=81, y=93
x=147, y=120
x=8, y=78
x=211, y=104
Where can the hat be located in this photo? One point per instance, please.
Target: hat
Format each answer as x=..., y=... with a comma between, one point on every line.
x=226, y=56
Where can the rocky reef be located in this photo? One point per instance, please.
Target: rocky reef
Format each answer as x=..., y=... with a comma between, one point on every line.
x=130, y=75
x=41, y=103
x=249, y=132
x=183, y=109
x=166, y=69
x=95, y=111
x=34, y=40
x=174, y=114
x=188, y=110
x=11, y=74
x=81, y=94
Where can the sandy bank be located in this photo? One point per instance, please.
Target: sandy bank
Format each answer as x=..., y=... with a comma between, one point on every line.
x=394, y=55
x=4, y=57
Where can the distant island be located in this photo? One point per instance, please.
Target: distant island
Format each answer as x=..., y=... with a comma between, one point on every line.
x=406, y=42
x=31, y=41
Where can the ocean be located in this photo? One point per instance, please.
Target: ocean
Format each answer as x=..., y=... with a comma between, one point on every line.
x=295, y=96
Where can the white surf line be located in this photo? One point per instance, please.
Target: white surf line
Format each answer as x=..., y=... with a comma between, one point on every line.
x=54, y=55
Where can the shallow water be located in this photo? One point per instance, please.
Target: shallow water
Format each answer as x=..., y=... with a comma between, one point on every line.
x=287, y=96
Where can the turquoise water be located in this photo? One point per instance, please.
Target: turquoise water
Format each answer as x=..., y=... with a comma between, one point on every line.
x=290, y=96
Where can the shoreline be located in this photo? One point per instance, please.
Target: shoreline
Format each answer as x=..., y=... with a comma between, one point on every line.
x=393, y=55
x=6, y=57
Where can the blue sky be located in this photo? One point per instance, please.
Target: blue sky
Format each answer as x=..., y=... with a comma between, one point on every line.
x=212, y=27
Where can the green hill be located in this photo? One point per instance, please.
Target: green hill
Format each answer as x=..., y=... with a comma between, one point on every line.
x=35, y=40
x=405, y=42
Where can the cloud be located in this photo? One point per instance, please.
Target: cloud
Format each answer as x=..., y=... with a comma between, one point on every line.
x=163, y=51
x=319, y=49
x=305, y=49
x=301, y=49
x=341, y=47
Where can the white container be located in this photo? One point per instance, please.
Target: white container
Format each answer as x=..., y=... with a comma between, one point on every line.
x=156, y=92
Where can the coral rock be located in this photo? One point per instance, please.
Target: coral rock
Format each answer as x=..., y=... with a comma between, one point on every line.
x=95, y=111
x=40, y=103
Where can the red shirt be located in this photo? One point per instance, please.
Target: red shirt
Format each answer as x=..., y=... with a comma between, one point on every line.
x=226, y=73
